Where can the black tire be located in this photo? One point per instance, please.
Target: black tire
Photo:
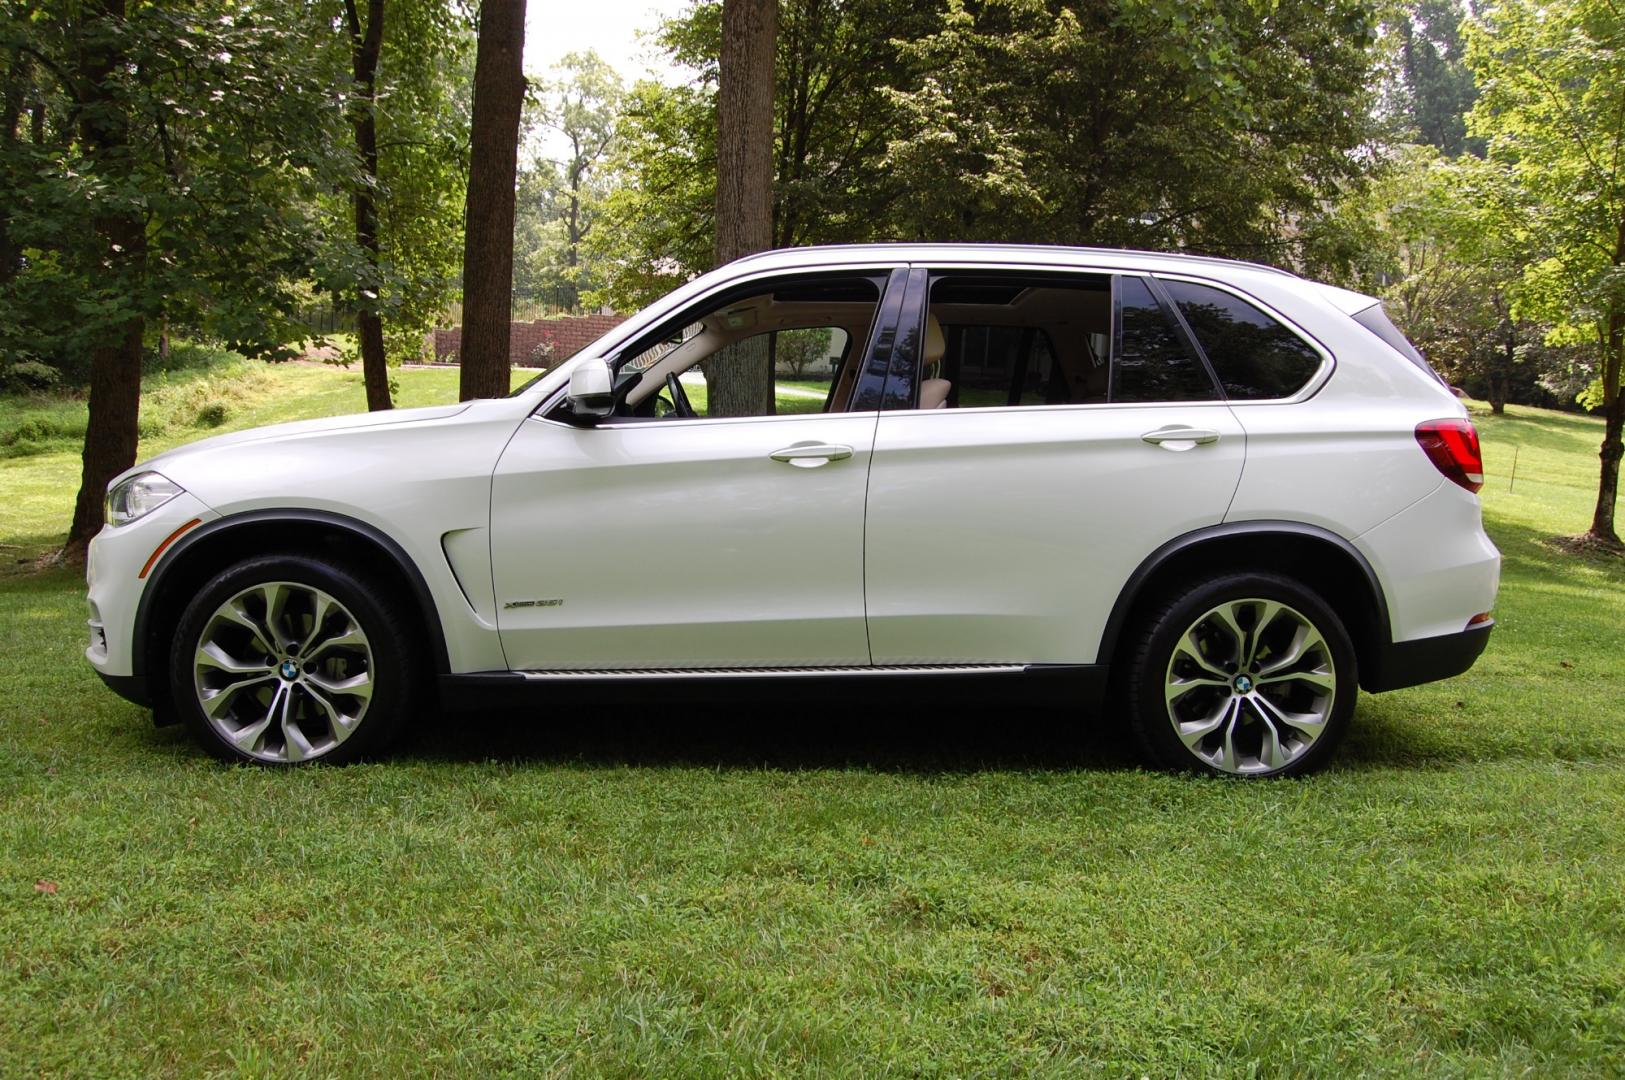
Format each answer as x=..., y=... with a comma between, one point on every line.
x=389, y=656
x=1153, y=669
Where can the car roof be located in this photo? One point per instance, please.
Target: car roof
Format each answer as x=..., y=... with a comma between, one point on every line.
x=1049, y=255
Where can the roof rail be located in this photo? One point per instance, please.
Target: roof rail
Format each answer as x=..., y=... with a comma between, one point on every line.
x=1207, y=260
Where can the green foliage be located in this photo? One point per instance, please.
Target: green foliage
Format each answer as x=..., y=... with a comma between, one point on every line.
x=425, y=96
x=1223, y=127
x=833, y=115
x=574, y=118
x=230, y=148
x=1553, y=111
x=1431, y=87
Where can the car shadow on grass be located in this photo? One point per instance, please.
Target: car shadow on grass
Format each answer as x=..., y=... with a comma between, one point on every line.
x=753, y=736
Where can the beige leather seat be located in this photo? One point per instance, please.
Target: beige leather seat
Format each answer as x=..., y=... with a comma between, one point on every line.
x=934, y=392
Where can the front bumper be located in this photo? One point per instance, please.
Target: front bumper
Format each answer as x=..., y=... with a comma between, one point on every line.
x=1399, y=664
x=114, y=583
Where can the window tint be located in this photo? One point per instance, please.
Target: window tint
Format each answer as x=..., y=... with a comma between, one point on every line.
x=1253, y=355
x=1152, y=363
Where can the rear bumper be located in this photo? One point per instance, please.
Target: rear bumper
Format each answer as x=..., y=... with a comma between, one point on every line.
x=1399, y=664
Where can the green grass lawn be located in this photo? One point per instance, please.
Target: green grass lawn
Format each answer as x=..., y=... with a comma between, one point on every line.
x=774, y=890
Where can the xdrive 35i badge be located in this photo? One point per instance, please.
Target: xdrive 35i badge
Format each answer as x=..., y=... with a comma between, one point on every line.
x=555, y=601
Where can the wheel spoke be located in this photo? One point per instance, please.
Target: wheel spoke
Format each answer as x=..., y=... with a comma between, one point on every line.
x=1325, y=680
x=1195, y=731
x=358, y=685
x=1304, y=641
x=1269, y=609
x=1270, y=754
x=323, y=606
x=341, y=724
x=213, y=656
x=1228, y=761
x=276, y=602
x=351, y=636
x=215, y=701
x=1310, y=724
x=294, y=744
x=1178, y=688
x=1190, y=648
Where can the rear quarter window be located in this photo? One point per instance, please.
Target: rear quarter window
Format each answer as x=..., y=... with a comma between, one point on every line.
x=1254, y=356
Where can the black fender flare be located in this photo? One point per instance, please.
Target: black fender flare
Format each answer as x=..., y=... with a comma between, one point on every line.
x=359, y=529
x=1117, y=622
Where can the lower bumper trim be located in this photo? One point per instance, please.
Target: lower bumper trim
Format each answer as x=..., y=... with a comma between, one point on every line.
x=1411, y=663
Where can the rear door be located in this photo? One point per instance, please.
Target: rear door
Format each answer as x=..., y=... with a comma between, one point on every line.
x=1004, y=532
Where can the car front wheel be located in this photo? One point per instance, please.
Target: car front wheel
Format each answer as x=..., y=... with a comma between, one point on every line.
x=1244, y=675
x=291, y=659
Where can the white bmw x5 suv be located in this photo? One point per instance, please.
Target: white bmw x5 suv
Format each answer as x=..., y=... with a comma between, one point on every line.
x=1219, y=496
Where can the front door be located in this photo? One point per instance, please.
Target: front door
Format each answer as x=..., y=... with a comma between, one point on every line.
x=668, y=538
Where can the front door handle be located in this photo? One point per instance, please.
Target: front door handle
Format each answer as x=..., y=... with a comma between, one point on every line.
x=1178, y=437
x=811, y=455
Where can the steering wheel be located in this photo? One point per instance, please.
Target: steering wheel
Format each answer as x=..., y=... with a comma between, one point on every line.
x=679, y=398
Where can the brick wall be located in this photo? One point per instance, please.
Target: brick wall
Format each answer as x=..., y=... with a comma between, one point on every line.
x=567, y=334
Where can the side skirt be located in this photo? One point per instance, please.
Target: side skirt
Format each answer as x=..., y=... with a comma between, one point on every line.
x=1068, y=686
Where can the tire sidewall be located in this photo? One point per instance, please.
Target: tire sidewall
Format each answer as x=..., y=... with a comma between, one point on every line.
x=1147, y=704
x=395, y=673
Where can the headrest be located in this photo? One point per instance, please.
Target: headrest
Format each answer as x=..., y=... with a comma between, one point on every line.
x=935, y=344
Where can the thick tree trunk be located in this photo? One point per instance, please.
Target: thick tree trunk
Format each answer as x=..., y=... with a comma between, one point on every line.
x=739, y=380
x=499, y=94
x=1613, y=437
x=366, y=43
x=115, y=372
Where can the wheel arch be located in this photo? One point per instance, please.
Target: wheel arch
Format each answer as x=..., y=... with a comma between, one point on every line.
x=212, y=547
x=1319, y=558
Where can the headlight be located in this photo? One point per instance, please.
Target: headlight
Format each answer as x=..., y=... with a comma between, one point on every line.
x=139, y=496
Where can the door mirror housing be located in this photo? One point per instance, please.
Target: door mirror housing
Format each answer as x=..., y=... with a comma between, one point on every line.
x=592, y=389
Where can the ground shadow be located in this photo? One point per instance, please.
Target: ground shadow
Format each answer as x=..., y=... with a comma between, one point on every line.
x=930, y=738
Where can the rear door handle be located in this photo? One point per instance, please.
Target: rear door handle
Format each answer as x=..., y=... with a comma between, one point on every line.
x=811, y=455
x=1178, y=437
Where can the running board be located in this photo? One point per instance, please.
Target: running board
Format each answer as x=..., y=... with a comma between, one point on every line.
x=1065, y=685
x=771, y=672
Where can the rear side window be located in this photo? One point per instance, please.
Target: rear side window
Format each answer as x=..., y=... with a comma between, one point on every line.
x=1255, y=357
x=1152, y=363
x=1376, y=320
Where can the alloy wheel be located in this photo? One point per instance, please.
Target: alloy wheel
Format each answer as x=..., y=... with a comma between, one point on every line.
x=1250, y=686
x=283, y=671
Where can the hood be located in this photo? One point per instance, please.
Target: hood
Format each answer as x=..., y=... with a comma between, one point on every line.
x=297, y=429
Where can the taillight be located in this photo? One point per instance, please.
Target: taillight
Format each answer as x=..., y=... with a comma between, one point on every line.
x=1452, y=446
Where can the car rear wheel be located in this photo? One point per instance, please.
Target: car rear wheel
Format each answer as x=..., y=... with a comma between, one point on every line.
x=1245, y=675
x=292, y=659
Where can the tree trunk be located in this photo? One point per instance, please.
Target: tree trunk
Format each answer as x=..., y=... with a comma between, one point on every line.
x=739, y=379
x=366, y=43
x=499, y=94
x=1613, y=436
x=115, y=362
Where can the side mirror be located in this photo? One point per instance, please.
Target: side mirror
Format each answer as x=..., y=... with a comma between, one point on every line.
x=592, y=391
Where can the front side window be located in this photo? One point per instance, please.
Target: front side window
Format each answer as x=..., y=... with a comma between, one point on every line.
x=1253, y=355
x=784, y=347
